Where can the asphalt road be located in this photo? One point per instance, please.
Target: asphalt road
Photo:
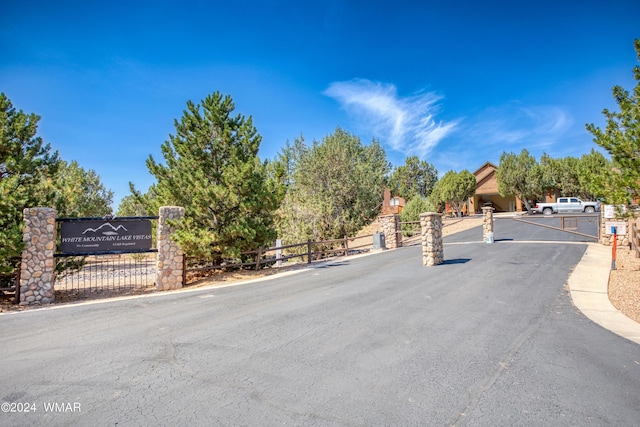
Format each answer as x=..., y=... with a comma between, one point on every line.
x=488, y=338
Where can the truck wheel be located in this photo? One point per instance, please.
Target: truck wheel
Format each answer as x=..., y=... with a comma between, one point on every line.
x=589, y=209
x=547, y=211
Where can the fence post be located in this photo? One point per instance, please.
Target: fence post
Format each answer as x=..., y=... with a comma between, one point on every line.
x=278, y=252
x=259, y=256
x=170, y=258
x=632, y=232
x=636, y=237
x=37, y=268
x=613, y=249
x=346, y=246
x=308, y=251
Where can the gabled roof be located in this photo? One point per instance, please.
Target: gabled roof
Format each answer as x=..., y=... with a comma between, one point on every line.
x=485, y=166
x=485, y=173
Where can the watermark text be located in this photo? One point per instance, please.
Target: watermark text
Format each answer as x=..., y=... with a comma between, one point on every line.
x=27, y=407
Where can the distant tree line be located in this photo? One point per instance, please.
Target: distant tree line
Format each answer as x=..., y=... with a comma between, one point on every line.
x=522, y=176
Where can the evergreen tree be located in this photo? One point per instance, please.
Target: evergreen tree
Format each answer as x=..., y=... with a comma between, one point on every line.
x=621, y=138
x=559, y=174
x=593, y=170
x=414, y=178
x=571, y=176
x=26, y=165
x=519, y=176
x=137, y=205
x=412, y=211
x=212, y=169
x=334, y=187
x=80, y=193
x=455, y=188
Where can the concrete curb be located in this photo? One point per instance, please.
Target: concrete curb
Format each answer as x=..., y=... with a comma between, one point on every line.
x=589, y=284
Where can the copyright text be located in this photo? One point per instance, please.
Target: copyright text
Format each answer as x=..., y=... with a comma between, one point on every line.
x=26, y=407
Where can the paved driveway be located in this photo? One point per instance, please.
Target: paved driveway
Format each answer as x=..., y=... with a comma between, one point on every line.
x=488, y=338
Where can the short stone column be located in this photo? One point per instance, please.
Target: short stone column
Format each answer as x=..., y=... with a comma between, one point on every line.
x=606, y=238
x=37, y=269
x=390, y=225
x=170, y=262
x=487, y=223
x=432, y=246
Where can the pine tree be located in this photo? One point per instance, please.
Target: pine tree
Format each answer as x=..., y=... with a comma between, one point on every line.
x=212, y=169
x=26, y=166
x=79, y=192
x=621, y=138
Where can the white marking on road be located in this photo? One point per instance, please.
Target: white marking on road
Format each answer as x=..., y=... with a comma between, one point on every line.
x=528, y=242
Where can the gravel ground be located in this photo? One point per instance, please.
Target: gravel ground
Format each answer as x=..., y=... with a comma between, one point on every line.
x=624, y=284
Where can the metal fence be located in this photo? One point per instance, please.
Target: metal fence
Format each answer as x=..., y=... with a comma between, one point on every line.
x=409, y=233
x=92, y=271
x=9, y=286
x=103, y=273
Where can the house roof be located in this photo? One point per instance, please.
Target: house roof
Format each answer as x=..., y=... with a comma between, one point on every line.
x=484, y=173
x=486, y=165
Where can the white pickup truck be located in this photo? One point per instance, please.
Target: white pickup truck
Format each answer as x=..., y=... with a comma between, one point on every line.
x=567, y=205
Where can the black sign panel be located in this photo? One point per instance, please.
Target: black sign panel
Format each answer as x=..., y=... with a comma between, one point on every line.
x=97, y=236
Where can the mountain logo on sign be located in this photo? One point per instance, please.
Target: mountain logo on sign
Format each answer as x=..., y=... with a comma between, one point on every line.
x=112, y=232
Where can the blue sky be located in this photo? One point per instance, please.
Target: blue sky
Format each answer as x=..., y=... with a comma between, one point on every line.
x=454, y=82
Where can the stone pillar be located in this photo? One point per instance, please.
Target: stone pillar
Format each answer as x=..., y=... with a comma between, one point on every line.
x=487, y=222
x=37, y=269
x=432, y=246
x=170, y=264
x=607, y=239
x=391, y=229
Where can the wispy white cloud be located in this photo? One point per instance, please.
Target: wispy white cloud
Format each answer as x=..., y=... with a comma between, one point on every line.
x=516, y=127
x=507, y=128
x=406, y=124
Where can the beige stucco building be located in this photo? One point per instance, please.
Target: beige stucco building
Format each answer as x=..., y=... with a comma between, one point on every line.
x=487, y=192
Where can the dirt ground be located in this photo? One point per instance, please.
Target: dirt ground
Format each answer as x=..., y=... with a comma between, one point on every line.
x=624, y=282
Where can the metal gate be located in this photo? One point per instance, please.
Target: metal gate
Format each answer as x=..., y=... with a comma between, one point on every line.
x=104, y=254
x=409, y=233
x=585, y=225
x=10, y=284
